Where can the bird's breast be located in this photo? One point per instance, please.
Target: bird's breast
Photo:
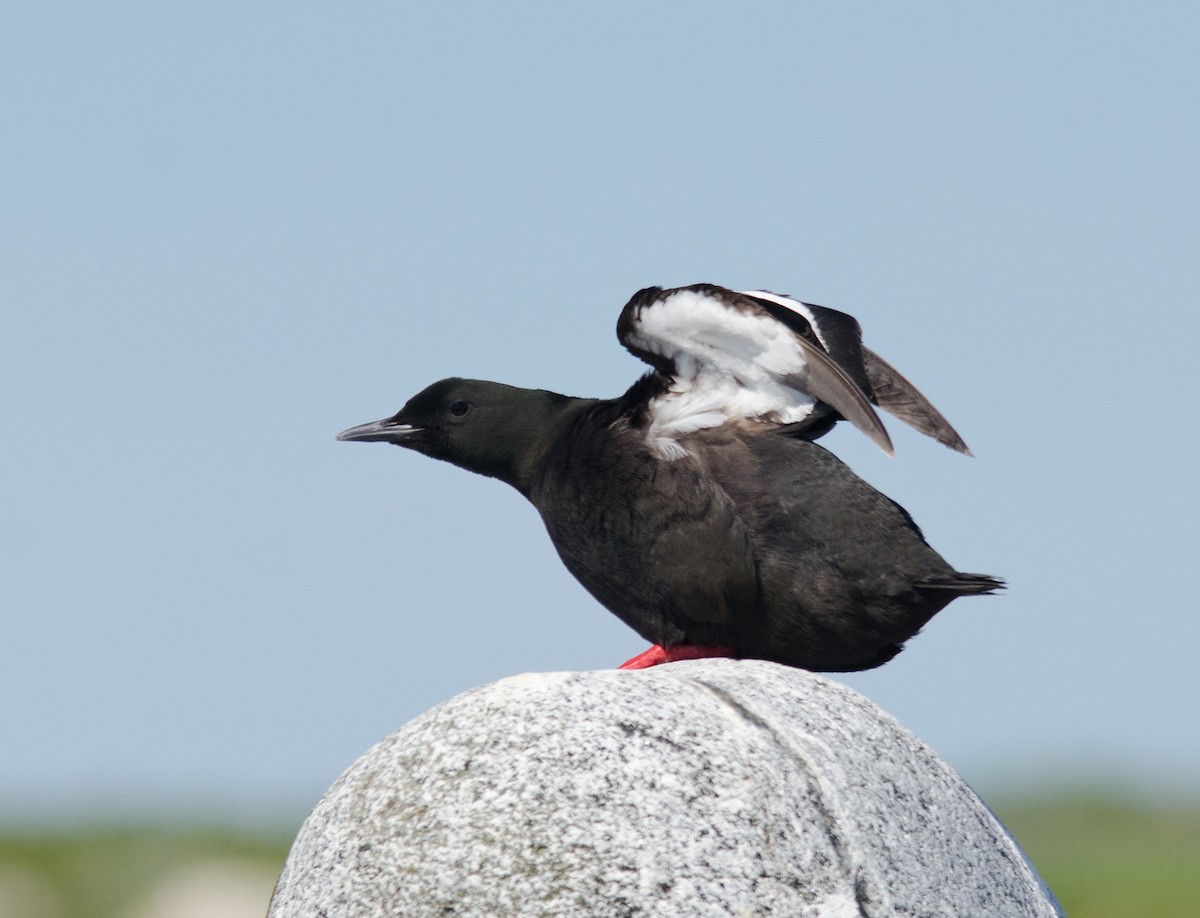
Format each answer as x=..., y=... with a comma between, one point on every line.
x=656, y=541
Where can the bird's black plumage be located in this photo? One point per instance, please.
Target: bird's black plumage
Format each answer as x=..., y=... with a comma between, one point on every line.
x=702, y=528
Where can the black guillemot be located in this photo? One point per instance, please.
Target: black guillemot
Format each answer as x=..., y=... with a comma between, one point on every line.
x=696, y=507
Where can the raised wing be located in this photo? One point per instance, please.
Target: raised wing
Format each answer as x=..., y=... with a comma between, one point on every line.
x=744, y=358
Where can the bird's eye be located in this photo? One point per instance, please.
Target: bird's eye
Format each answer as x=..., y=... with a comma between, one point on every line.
x=459, y=408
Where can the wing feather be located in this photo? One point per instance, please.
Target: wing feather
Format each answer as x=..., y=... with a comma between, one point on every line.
x=896, y=395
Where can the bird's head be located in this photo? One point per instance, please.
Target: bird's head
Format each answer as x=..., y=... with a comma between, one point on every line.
x=484, y=427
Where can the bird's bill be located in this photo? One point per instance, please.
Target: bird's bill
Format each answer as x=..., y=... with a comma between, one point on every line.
x=385, y=431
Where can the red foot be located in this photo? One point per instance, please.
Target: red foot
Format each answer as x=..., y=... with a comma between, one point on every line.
x=658, y=654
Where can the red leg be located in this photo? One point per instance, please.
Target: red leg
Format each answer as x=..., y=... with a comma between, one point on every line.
x=658, y=654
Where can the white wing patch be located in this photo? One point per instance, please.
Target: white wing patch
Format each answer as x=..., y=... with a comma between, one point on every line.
x=731, y=366
x=794, y=305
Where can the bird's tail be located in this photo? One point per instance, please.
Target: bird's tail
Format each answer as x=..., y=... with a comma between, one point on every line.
x=962, y=584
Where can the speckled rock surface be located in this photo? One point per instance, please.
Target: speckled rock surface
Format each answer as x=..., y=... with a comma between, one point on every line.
x=710, y=787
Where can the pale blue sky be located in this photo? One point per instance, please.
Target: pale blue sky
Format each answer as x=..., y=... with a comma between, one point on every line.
x=228, y=231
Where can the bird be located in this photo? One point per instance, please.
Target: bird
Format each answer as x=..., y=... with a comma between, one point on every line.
x=696, y=506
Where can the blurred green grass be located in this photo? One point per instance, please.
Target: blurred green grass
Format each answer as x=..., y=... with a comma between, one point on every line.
x=113, y=872
x=1103, y=856
x=1108, y=856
